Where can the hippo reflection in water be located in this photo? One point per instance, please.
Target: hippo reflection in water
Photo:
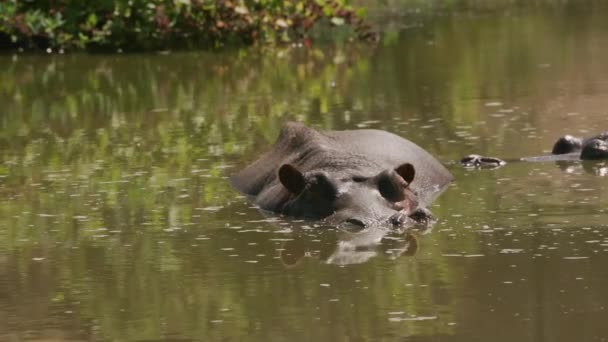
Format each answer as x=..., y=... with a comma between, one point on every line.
x=342, y=247
x=358, y=177
x=565, y=149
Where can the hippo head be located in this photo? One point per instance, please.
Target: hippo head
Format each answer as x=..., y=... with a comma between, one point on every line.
x=356, y=200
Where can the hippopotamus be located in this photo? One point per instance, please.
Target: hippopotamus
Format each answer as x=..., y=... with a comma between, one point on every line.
x=357, y=177
x=566, y=148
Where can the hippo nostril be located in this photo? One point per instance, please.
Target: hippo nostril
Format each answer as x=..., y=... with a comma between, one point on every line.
x=398, y=219
x=355, y=222
x=477, y=161
x=467, y=160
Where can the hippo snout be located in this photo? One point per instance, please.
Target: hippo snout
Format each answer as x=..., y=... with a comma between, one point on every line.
x=397, y=219
x=418, y=216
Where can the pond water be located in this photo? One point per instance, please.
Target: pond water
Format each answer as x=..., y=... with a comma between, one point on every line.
x=117, y=221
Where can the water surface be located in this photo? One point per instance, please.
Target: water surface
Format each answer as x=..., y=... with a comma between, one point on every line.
x=117, y=221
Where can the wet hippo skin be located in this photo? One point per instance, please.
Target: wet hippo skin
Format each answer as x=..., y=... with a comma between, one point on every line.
x=359, y=177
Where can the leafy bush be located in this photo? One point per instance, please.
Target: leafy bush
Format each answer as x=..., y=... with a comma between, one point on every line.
x=160, y=24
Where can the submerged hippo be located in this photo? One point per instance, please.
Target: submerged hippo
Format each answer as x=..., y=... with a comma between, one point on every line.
x=360, y=177
x=566, y=148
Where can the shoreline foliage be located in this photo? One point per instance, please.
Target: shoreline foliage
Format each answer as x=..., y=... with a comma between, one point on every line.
x=132, y=25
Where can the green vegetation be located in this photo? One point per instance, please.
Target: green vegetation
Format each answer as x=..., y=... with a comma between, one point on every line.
x=166, y=24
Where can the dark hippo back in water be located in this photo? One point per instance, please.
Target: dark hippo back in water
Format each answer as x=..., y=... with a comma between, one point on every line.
x=566, y=149
x=359, y=177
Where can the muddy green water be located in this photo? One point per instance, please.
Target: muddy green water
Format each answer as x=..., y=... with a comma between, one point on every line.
x=117, y=221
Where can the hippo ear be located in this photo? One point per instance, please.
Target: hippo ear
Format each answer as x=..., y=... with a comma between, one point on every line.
x=292, y=179
x=406, y=171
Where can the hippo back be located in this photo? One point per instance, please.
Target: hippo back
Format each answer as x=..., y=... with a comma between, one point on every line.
x=348, y=153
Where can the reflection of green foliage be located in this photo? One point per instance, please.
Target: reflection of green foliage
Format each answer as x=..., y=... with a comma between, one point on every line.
x=162, y=24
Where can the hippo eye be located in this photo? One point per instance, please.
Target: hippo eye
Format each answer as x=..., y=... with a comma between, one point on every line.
x=355, y=222
x=359, y=179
